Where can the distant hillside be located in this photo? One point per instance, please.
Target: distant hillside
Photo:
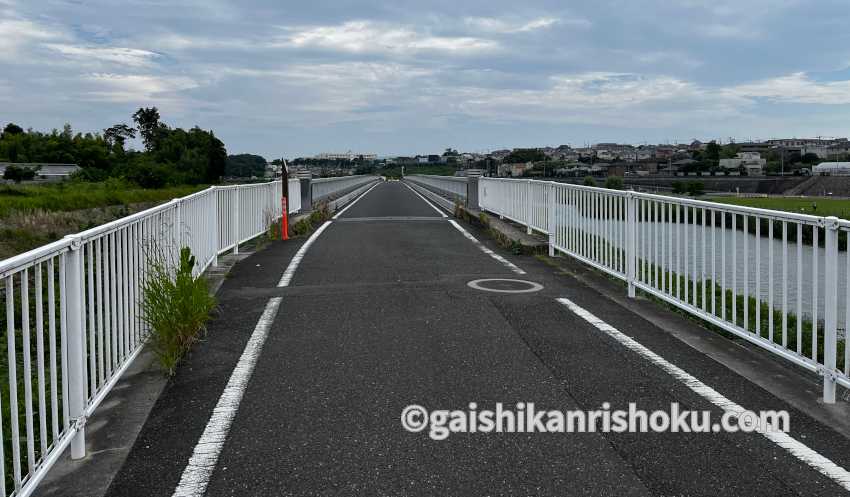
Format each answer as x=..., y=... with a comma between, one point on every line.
x=245, y=166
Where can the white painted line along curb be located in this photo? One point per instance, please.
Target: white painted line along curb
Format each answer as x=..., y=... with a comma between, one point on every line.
x=510, y=265
x=355, y=200
x=784, y=440
x=296, y=260
x=196, y=476
x=439, y=211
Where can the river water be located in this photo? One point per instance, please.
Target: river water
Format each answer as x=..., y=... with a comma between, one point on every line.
x=756, y=259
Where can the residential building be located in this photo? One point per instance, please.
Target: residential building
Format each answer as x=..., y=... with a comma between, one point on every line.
x=744, y=159
x=832, y=169
x=349, y=156
x=46, y=171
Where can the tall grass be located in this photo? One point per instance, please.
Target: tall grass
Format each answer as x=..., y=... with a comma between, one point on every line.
x=70, y=196
x=176, y=306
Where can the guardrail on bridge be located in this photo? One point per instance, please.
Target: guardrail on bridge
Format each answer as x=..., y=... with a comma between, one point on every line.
x=72, y=312
x=776, y=279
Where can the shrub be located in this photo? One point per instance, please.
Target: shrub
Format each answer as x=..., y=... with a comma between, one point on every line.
x=306, y=226
x=696, y=188
x=175, y=306
x=589, y=181
x=614, y=183
x=679, y=187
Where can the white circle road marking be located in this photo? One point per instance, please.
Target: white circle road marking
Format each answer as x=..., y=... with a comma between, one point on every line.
x=531, y=286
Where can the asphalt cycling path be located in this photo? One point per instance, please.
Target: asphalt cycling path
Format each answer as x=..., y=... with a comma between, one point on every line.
x=378, y=315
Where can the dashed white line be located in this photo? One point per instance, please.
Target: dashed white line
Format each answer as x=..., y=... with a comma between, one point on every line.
x=354, y=201
x=510, y=265
x=802, y=452
x=296, y=259
x=439, y=211
x=196, y=475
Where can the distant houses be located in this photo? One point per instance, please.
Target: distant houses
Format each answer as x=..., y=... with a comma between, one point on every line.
x=45, y=172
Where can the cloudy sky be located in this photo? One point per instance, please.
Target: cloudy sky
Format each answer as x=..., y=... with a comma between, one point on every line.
x=300, y=77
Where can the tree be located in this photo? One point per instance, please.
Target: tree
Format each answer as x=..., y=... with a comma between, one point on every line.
x=810, y=158
x=523, y=155
x=695, y=188
x=614, y=183
x=245, y=166
x=712, y=152
x=19, y=173
x=147, y=121
x=118, y=134
x=12, y=129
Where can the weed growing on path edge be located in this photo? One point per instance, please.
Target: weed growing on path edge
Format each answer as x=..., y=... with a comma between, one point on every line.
x=176, y=306
x=306, y=226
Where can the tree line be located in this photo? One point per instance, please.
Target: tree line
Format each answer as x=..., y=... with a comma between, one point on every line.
x=171, y=155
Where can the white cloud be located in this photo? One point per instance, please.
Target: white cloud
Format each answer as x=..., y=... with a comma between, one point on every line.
x=125, y=56
x=16, y=34
x=604, y=98
x=367, y=36
x=136, y=87
x=730, y=31
x=494, y=25
x=795, y=88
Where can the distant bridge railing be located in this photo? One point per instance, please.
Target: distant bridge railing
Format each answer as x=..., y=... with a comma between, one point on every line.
x=326, y=188
x=72, y=311
x=453, y=187
x=772, y=278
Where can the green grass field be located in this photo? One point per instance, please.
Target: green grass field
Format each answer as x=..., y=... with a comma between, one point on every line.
x=71, y=196
x=34, y=215
x=814, y=206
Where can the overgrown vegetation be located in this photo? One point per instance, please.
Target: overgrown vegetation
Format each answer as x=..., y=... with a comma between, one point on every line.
x=176, y=306
x=34, y=215
x=71, y=196
x=306, y=226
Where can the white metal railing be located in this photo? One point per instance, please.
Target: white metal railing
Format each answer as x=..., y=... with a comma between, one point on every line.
x=452, y=186
x=773, y=278
x=71, y=311
x=327, y=188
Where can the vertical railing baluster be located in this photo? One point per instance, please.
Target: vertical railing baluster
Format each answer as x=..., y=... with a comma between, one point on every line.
x=830, y=306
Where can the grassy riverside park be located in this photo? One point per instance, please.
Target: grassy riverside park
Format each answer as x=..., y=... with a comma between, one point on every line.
x=35, y=214
x=814, y=206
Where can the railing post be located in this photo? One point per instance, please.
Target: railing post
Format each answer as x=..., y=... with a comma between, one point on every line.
x=305, y=179
x=550, y=217
x=76, y=354
x=830, y=306
x=235, y=223
x=178, y=233
x=215, y=224
x=529, y=208
x=631, y=241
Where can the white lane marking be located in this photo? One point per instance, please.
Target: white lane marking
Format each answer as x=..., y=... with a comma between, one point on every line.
x=355, y=201
x=439, y=211
x=196, y=476
x=805, y=454
x=510, y=265
x=296, y=260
